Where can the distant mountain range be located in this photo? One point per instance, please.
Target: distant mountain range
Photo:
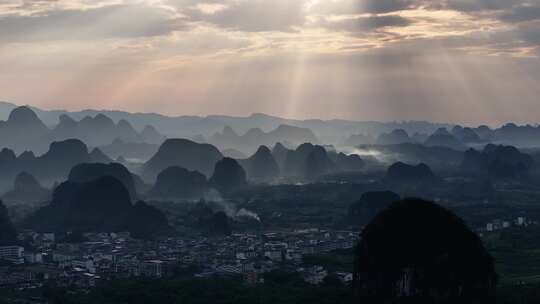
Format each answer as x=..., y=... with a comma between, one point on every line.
x=190, y=126
x=24, y=130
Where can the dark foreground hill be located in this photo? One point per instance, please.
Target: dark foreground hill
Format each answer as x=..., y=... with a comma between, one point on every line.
x=419, y=252
x=101, y=205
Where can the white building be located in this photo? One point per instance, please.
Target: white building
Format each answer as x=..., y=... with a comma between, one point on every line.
x=13, y=254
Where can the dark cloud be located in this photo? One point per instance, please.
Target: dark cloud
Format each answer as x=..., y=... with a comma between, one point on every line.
x=116, y=21
x=521, y=13
x=481, y=5
x=360, y=25
x=341, y=7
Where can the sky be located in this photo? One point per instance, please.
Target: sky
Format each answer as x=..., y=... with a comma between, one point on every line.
x=461, y=61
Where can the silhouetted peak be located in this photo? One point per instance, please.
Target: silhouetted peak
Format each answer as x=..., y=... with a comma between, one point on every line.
x=278, y=148
x=183, y=153
x=99, y=199
x=484, y=128
x=260, y=116
x=175, y=145
x=229, y=132
x=457, y=129
x=510, y=126
x=443, y=138
x=125, y=128
x=26, y=182
x=68, y=147
x=23, y=115
x=397, y=136
x=261, y=166
x=318, y=163
x=103, y=119
x=7, y=155
x=83, y=173
x=254, y=133
x=27, y=156
x=228, y=175
x=399, y=132
x=288, y=128
x=409, y=173
x=352, y=162
x=263, y=150
x=122, y=123
x=99, y=157
x=150, y=130
x=441, y=131
x=233, y=153
x=179, y=183
x=150, y=134
x=503, y=150
x=305, y=148
x=66, y=121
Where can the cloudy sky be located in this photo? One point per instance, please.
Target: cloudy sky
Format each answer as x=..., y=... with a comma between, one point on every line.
x=466, y=61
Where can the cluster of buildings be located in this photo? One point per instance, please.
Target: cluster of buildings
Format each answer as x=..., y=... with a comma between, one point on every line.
x=104, y=256
x=498, y=224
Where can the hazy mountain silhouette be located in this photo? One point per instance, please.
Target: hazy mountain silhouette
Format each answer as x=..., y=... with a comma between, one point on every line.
x=182, y=153
x=190, y=126
x=318, y=163
x=56, y=163
x=26, y=189
x=347, y=163
x=521, y=136
x=404, y=173
x=23, y=130
x=443, y=138
x=308, y=161
x=261, y=166
x=97, y=156
x=398, y=136
x=435, y=157
x=95, y=131
x=8, y=235
x=53, y=166
x=86, y=172
x=228, y=176
x=130, y=150
x=100, y=205
x=419, y=137
x=466, y=135
x=497, y=161
x=280, y=154
x=418, y=252
x=151, y=136
x=233, y=153
x=176, y=183
x=255, y=137
x=358, y=140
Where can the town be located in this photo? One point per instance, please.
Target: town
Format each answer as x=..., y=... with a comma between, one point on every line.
x=106, y=256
